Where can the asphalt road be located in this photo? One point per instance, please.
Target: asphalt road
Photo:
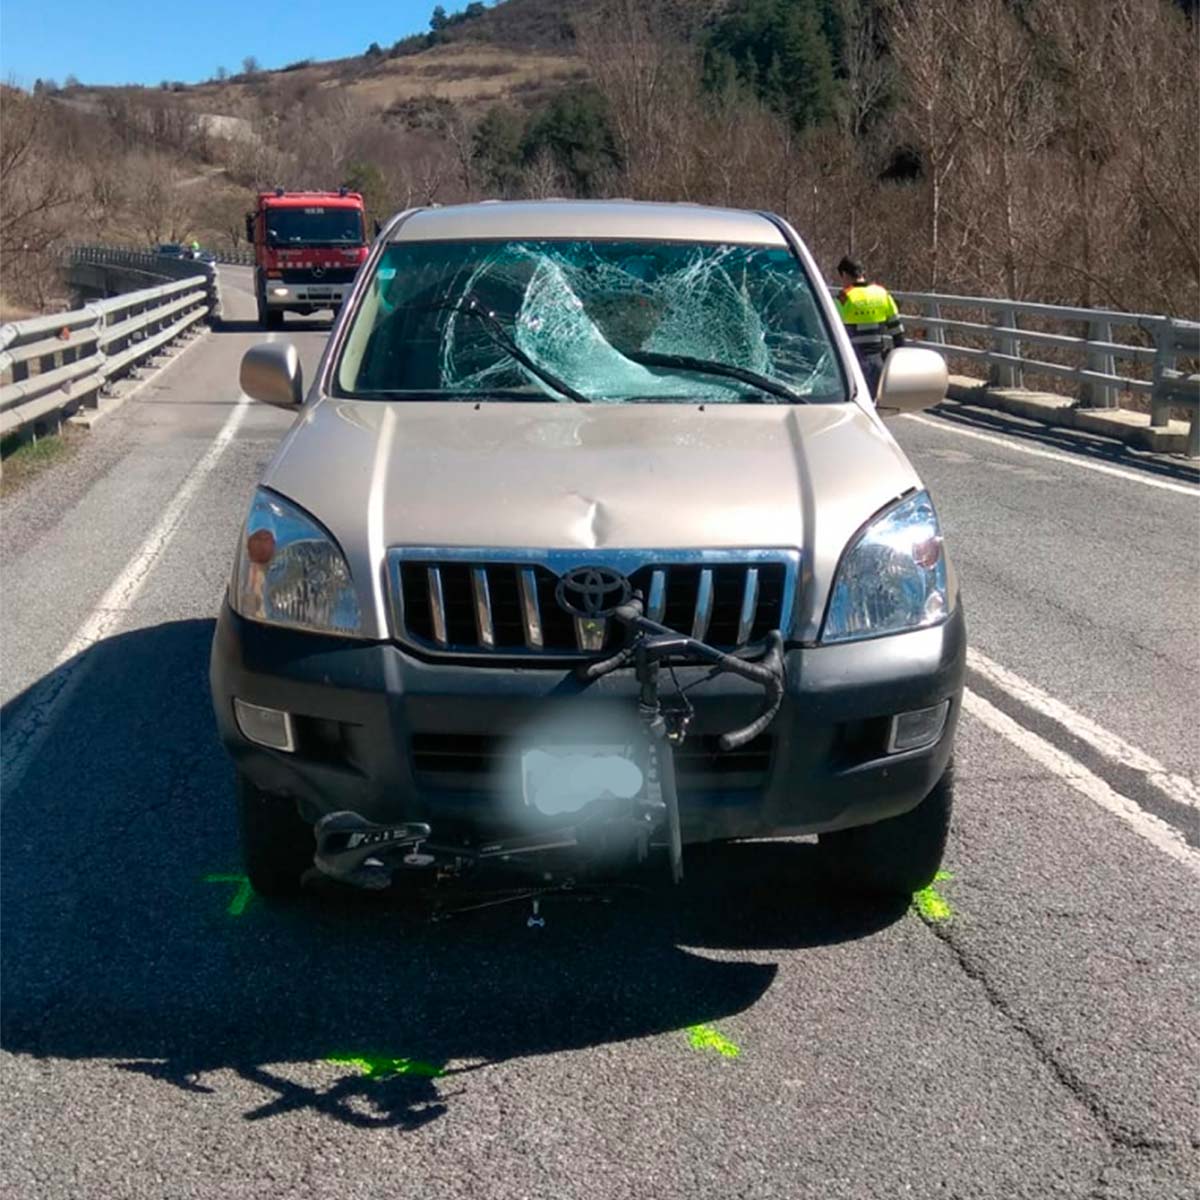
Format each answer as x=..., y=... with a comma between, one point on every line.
x=164, y=1035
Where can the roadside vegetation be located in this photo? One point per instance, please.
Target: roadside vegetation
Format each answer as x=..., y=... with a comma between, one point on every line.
x=24, y=460
x=1044, y=149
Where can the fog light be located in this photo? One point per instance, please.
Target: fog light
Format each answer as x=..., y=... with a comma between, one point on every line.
x=264, y=726
x=916, y=729
x=279, y=291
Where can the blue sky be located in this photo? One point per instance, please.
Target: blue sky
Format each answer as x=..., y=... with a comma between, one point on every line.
x=141, y=41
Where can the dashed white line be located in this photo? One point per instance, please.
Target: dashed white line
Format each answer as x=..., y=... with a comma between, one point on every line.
x=36, y=717
x=1177, y=787
x=1072, y=459
x=1162, y=836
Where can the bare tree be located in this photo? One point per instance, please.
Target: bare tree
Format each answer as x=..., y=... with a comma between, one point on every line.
x=38, y=199
x=1007, y=115
x=543, y=179
x=929, y=113
x=160, y=208
x=866, y=76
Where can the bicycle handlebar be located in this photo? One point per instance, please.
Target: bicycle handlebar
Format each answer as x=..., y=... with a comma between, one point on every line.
x=767, y=673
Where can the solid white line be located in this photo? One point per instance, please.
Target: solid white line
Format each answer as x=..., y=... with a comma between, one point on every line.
x=1147, y=826
x=1073, y=460
x=38, y=714
x=1178, y=787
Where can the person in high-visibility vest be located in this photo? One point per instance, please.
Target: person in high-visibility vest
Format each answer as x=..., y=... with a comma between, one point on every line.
x=869, y=314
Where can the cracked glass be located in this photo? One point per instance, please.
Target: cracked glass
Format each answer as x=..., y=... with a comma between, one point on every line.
x=597, y=321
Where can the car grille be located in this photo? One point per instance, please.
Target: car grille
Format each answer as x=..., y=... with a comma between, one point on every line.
x=309, y=275
x=484, y=764
x=478, y=603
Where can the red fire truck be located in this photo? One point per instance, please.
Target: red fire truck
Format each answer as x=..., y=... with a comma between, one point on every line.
x=307, y=248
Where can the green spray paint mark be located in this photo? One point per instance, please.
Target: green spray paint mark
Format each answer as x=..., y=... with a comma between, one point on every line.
x=241, y=897
x=705, y=1037
x=376, y=1066
x=930, y=904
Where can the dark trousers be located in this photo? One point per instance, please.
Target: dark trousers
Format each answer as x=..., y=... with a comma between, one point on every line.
x=872, y=369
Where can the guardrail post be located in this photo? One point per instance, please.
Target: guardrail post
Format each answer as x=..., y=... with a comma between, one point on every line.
x=213, y=297
x=1005, y=374
x=934, y=333
x=1164, y=361
x=1092, y=393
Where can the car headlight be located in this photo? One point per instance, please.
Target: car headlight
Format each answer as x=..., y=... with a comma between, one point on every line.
x=893, y=577
x=289, y=571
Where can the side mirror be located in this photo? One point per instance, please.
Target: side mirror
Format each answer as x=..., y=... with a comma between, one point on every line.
x=912, y=380
x=272, y=373
x=250, y=228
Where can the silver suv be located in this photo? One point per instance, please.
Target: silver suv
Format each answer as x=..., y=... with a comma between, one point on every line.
x=532, y=424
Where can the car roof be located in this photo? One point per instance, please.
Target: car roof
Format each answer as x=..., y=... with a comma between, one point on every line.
x=619, y=219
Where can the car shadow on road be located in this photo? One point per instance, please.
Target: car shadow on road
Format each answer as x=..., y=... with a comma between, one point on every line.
x=129, y=936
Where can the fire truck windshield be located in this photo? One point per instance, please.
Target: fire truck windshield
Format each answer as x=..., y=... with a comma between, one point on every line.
x=311, y=226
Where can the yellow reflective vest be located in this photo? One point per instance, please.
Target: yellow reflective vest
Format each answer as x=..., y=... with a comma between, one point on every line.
x=868, y=312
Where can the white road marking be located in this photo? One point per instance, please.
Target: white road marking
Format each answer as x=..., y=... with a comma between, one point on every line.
x=1074, y=460
x=37, y=716
x=1178, y=787
x=1157, y=832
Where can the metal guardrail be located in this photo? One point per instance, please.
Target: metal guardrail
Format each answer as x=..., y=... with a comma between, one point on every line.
x=51, y=365
x=1000, y=341
x=130, y=254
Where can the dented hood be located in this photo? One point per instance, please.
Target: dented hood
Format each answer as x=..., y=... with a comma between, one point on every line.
x=559, y=476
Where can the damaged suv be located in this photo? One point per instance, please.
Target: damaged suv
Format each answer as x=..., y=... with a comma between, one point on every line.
x=535, y=426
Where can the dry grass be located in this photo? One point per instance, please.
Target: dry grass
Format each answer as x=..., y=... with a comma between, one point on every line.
x=25, y=461
x=465, y=73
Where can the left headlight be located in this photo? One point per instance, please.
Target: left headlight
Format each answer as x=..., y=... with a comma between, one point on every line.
x=289, y=571
x=893, y=577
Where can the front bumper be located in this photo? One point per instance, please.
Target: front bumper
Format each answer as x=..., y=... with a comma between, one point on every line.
x=378, y=730
x=314, y=295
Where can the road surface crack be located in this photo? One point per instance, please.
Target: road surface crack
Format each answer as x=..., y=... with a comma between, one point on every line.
x=1119, y=1137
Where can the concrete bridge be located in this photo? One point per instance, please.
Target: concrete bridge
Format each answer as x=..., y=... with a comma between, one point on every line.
x=1027, y=1029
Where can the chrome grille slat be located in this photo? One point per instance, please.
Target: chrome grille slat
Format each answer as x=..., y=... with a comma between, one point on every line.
x=704, y=605
x=656, y=602
x=437, y=606
x=500, y=604
x=483, y=607
x=531, y=610
x=590, y=633
x=749, y=605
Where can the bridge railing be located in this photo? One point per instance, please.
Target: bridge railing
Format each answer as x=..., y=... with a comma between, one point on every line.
x=96, y=253
x=50, y=366
x=1019, y=339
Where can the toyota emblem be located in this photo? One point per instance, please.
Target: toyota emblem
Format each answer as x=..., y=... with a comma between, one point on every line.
x=591, y=592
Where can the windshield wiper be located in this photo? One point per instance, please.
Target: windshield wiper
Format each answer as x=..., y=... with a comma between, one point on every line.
x=702, y=366
x=502, y=338
x=452, y=396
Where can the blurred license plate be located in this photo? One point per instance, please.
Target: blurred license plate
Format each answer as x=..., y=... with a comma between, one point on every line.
x=558, y=780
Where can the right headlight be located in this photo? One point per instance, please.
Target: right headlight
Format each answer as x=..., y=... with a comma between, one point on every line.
x=893, y=577
x=289, y=571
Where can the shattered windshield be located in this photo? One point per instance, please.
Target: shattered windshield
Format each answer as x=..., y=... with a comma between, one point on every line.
x=598, y=321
